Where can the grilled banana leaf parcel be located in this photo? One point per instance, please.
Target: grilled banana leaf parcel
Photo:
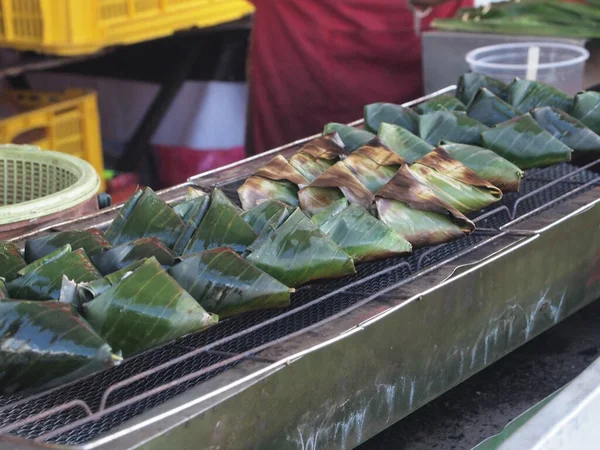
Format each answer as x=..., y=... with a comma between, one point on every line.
x=222, y=226
x=226, y=284
x=454, y=182
x=196, y=209
x=567, y=129
x=403, y=142
x=298, y=252
x=92, y=241
x=192, y=198
x=352, y=137
x=44, y=344
x=318, y=155
x=145, y=215
x=42, y=279
x=327, y=213
x=3, y=290
x=450, y=126
x=362, y=236
x=487, y=165
x=489, y=109
x=277, y=180
x=123, y=255
x=440, y=103
x=11, y=260
x=586, y=109
x=525, y=95
x=145, y=309
x=470, y=83
x=524, y=143
x=414, y=211
x=378, y=113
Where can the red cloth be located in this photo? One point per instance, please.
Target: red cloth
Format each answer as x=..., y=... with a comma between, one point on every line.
x=319, y=61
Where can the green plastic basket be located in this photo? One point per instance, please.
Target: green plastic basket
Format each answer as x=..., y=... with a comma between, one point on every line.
x=37, y=183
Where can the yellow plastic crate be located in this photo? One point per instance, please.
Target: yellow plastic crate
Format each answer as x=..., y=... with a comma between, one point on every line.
x=76, y=27
x=65, y=122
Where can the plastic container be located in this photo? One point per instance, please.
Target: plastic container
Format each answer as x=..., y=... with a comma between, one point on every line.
x=560, y=65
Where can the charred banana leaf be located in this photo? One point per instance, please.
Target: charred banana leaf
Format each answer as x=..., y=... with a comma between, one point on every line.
x=226, y=284
x=378, y=113
x=441, y=103
x=362, y=236
x=298, y=252
x=524, y=143
x=470, y=83
x=318, y=155
x=92, y=241
x=487, y=165
x=145, y=215
x=352, y=138
x=586, y=108
x=42, y=279
x=450, y=126
x=44, y=344
x=567, y=129
x=403, y=142
x=121, y=256
x=277, y=180
x=414, y=211
x=489, y=109
x=525, y=95
x=145, y=309
x=11, y=260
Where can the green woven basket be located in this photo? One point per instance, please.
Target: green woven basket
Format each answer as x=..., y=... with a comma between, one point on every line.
x=37, y=183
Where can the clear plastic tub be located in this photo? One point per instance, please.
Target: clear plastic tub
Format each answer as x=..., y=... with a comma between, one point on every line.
x=560, y=65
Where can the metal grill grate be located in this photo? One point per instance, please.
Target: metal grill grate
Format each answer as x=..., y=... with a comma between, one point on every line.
x=196, y=358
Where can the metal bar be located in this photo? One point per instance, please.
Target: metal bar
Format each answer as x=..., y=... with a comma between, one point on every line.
x=50, y=412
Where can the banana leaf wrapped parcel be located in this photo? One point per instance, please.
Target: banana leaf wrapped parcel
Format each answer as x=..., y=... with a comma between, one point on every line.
x=11, y=260
x=92, y=241
x=193, y=197
x=352, y=137
x=470, y=83
x=265, y=218
x=3, y=290
x=567, y=129
x=489, y=109
x=192, y=212
x=121, y=256
x=450, y=126
x=441, y=103
x=404, y=143
x=525, y=95
x=318, y=155
x=586, y=109
x=376, y=114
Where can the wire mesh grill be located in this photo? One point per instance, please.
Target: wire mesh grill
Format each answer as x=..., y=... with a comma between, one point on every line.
x=241, y=335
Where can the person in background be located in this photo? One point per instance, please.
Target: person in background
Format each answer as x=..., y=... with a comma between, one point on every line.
x=317, y=61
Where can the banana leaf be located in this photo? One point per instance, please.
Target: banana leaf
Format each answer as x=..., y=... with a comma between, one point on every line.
x=222, y=226
x=121, y=256
x=226, y=284
x=363, y=237
x=192, y=198
x=11, y=260
x=413, y=211
x=44, y=344
x=378, y=113
x=298, y=252
x=454, y=182
x=277, y=180
x=586, y=109
x=328, y=213
x=403, y=142
x=92, y=241
x=489, y=109
x=42, y=279
x=265, y=218
x=198, y=207
x=3, y=290
x=450, y=126
x=334, y=184
x=145, y=215
x=352, y=138
x=567, y=129
x=440, y=103
x=318, y=155
x=487, y=165
x=469, y=85
x=145, y=309
x=524, y=143
x=374, y=164
x=525, y=95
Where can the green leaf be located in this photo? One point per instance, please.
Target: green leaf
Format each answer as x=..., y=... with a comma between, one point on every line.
x=440, y=103
x=567, y=129
x=92, y=241
x=262, y=215
x=363, y=237
x=42, y=279
x=222, y=226
x=145, y=215
x=298, y=252
x=192, y=198
x=403, y=142
x=318, y=155
x=44, y=344
x=3, y=290
x=487, y=165
x=523, y=142
x=226, y=284
x=352, y=138
x=450, y=126
x=11, y=260
x=331, y=211
x=123, y=255
x=378, y=113
x=145, y=309
x=525, y=95
x=586, y=108
x=489, y=109
x=470, y=83
x=198, y=207
x=413, y=211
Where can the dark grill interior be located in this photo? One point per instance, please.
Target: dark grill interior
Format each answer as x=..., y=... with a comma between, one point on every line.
x=245, y=333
